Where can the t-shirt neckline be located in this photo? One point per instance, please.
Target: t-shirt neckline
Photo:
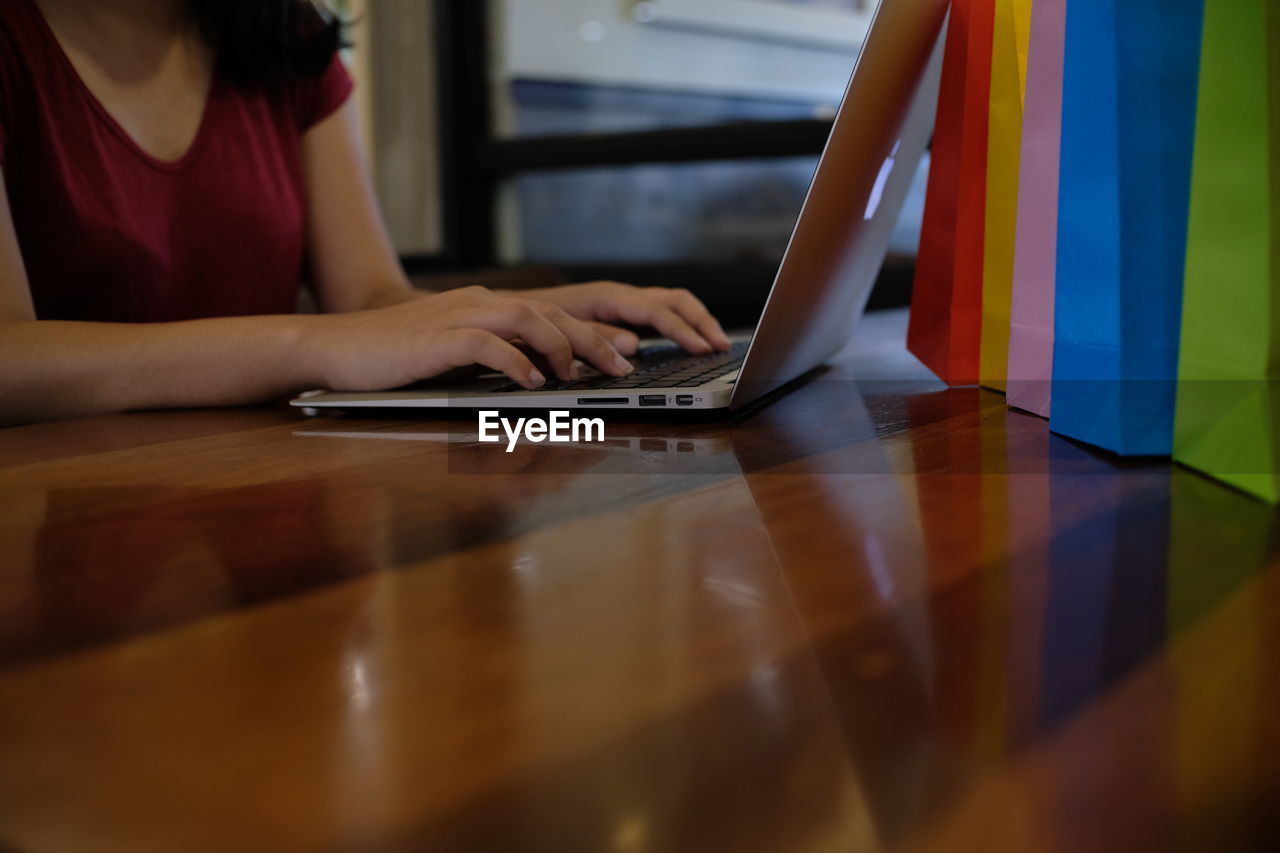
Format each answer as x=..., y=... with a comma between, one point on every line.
x=178, y=165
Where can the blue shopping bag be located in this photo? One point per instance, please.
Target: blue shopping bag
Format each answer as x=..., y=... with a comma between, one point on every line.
x=1128, y=130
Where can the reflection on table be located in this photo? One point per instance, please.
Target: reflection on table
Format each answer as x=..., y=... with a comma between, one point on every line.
x=874, y=615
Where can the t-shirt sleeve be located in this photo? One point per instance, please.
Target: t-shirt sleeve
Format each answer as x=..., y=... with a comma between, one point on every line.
x=317, y=99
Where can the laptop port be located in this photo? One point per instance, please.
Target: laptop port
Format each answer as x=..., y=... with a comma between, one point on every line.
x=603, y=401
x=684, y=400
x=650, y=400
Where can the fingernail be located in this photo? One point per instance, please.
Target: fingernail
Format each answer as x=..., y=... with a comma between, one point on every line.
x=536, y=379
x=621, y=343
x=623, y=365
x=575, y=370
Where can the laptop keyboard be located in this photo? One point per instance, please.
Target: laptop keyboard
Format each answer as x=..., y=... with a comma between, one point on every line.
x=660, y=366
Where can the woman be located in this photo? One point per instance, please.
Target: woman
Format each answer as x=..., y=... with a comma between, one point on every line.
x=174, y=170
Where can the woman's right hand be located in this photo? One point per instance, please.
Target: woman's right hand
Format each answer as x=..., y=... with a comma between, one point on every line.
x=432, y=335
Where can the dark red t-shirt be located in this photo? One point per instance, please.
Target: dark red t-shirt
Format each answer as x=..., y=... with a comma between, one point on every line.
x=109, y=233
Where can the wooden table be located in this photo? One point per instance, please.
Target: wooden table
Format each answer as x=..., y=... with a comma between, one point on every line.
x=875, y=615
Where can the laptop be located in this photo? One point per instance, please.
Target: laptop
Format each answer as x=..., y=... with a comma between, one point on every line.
x=835, y=254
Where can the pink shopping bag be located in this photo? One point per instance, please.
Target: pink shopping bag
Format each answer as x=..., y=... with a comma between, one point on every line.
x=1035, y=254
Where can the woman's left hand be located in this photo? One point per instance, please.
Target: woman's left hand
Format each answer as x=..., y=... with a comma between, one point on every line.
x=673, y=313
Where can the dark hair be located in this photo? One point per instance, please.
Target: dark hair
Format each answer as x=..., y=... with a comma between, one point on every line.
x=263, y=43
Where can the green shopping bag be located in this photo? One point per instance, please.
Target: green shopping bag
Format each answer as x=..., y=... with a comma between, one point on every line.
x=1228, y=409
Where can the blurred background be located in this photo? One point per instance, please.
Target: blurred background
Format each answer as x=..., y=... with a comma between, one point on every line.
x=658, y=142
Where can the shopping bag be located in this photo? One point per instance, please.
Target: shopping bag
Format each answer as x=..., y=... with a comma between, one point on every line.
x=1228, y=411
x=1128, y=125
x=946, y=305
x=1036, y=250
x=1008, y=89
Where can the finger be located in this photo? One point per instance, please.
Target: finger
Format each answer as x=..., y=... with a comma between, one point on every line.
x=463, y=347
x=519, y=318
x=588, y=343
x=644, y=310
x=623, y=340
x=692, y=311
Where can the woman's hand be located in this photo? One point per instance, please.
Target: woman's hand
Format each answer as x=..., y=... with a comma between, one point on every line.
x=424, y=338
x=676, y=314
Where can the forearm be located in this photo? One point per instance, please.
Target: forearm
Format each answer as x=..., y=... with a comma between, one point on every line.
x=51, y=370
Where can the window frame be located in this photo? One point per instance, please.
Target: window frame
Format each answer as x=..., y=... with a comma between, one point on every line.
x=475, y=163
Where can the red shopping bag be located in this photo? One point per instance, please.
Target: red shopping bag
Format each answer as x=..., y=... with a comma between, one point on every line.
x=946, y=306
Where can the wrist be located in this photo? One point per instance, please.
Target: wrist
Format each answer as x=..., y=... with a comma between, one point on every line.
x=543, y=294
x=391, y=296
x=307, y=344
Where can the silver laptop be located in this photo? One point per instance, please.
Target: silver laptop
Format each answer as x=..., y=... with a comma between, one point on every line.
x=826, y=276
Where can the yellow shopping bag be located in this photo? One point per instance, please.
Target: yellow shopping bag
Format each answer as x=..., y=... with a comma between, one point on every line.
x=1004, y=147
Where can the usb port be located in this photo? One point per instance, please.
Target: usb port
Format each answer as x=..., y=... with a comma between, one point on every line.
x=647, y=400
x=684, y=400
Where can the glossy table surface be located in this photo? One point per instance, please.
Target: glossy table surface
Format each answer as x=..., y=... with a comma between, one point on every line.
x=874, y=615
